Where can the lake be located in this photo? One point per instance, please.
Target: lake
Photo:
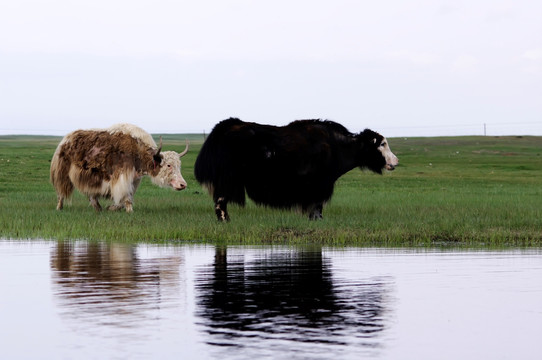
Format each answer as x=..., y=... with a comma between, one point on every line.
x=88, y=300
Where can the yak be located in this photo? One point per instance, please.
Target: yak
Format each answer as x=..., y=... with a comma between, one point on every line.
x=110, y=163
x=292, y=166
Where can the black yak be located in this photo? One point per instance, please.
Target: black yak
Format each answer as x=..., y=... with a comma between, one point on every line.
x=285, y=167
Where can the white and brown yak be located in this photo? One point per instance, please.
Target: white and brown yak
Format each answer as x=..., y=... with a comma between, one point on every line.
x=110, y=163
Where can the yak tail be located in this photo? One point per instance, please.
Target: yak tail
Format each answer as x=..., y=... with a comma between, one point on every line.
x=60, y=168
x=217, y=166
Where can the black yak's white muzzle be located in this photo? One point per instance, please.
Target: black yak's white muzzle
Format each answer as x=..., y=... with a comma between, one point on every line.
x=391, y=160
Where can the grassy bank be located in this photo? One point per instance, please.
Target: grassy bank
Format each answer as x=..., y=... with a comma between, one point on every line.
x=464, y=191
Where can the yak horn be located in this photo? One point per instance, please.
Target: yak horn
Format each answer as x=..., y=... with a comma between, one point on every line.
x=159, y=147
x=185, y=150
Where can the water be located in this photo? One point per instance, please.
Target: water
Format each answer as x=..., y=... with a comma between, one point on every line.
x=116, y=301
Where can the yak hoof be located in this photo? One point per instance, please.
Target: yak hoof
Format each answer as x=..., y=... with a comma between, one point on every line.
x=316, y=212
x=317, y=216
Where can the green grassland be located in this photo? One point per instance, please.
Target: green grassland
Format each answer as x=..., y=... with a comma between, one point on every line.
x=456, y=191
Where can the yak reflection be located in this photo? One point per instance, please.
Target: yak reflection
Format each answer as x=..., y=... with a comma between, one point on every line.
x=291, y=295
x=109, y=283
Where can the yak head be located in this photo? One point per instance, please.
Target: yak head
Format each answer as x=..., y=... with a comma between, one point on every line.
x=169, y=163
x=376, y=154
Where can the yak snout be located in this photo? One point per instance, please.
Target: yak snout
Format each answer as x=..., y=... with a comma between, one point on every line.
x=390, y=167
x=392, y=162
x=178, y=184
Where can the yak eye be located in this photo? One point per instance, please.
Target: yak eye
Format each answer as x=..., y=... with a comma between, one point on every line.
x=383, y=144
x=168, y=165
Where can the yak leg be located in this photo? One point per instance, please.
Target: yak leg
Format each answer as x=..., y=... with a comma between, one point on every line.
x=135, y=184
x=315, y=211
x=122, y=192
x=128, y=203
x=60, y=203
x=94, y=202
x=119, y=203
x=129, y=200
x=221, y=209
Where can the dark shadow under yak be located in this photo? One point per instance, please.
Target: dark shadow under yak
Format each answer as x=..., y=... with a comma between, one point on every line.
x=285, y=167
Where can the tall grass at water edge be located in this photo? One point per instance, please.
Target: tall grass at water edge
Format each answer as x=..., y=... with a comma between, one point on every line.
x=459, y=191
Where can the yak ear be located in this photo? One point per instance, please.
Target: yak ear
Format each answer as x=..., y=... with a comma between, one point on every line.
x=157, y=157
x=370, y=136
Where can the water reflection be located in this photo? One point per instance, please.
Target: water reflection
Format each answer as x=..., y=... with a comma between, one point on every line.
x=289, y=295
x=84, y=300
x=109, y=284
x=244, y=299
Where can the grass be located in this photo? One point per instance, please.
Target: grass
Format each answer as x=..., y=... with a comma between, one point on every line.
x=451, y=191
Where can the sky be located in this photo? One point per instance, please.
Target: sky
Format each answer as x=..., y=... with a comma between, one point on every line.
x=402, y=68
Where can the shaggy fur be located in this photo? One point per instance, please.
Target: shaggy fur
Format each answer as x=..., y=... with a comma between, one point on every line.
x=110, y=163
x=133, y=131
x=285, y=167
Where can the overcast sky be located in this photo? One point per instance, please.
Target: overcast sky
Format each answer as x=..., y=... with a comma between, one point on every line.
x=403, y=68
